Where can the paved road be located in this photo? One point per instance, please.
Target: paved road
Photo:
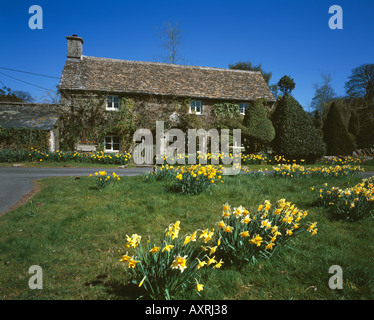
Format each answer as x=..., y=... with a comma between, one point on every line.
x=17, y=182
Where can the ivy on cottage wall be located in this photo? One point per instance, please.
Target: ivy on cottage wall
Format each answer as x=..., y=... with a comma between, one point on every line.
x=87, y=119
x=226, y=110
x=24, y=138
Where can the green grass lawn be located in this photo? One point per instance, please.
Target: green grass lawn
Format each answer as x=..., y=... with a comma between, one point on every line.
x=74, y=232
x=75, y=164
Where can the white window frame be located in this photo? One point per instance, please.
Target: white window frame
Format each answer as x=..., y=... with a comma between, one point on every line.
x=244, y=107
x=193, y=107
x=111, y=144
x=113, y=104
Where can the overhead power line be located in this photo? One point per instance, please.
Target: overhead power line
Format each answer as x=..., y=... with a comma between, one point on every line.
x=29, y=83
x=35, y=74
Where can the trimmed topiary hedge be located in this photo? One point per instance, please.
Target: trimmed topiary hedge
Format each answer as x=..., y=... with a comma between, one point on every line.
x=335, y=135
x=258, y=129
x=295, y=135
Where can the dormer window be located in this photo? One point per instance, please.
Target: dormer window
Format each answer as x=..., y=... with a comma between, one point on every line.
x=112, y=103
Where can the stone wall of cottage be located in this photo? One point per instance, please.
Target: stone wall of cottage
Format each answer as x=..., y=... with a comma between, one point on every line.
x=90, y=108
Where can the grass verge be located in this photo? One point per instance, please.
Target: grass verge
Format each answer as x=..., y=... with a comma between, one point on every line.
x=74, y=231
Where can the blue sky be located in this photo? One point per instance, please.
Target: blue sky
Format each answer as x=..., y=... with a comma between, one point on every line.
x=286, y=37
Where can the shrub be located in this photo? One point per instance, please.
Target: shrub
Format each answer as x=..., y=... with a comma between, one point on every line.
x=295, y=135
x=171, y=267
x=334, y=133
x=365, y=138
x=248, y=236
x=23, y=138
x=354, y=124
x=258, y=129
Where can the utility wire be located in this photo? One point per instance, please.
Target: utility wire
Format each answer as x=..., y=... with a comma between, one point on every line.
x=31, y=84
x=35, y=74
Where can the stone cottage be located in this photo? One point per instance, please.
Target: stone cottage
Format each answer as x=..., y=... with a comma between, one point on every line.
x=107, y=81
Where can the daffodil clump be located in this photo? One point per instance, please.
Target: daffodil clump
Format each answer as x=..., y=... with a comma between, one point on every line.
x=297, y=171
x=103, y=179
x=33, y=155
x=201, y=158
x=171, y=266
x=189, y=179
x=351, y=204
x=342, y=161
x=194, y=179
x=254, y=159
x=247, y=236
x=163, y=172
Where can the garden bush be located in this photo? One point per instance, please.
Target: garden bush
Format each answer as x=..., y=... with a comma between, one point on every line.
x=258, y=129
x=23, y=138
x=295, y=135
x=365, y=138
x=354, y=124
x=334, y=133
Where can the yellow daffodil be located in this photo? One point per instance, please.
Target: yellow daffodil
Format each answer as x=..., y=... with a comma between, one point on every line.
x=179, y=263
x=155, y=249
x=256, y=240
x=199, y=286
x=168, y=247
x=211, y=260
x=218, y=265
x=201, y=264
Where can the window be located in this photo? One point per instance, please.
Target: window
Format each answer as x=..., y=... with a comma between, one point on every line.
x=243, y=107
x=112, y=103
x=111, y=144
x=195, y=106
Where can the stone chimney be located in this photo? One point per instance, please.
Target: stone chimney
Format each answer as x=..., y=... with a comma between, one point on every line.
x=75, y=47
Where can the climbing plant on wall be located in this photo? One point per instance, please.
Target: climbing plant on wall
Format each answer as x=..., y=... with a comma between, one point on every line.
x=24, y=138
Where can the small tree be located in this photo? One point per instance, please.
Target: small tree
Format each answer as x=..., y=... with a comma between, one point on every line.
x=258, y=129
x=296, y=137
x=171, y=37
x=334, y=133
x=323, y=94
x=286, y=85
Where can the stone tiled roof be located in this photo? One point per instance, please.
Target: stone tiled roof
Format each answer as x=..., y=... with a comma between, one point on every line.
x=28, y=115
x=121, y=76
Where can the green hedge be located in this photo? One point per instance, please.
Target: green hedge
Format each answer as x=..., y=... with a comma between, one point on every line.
x=295, y=135
x=23, y=138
